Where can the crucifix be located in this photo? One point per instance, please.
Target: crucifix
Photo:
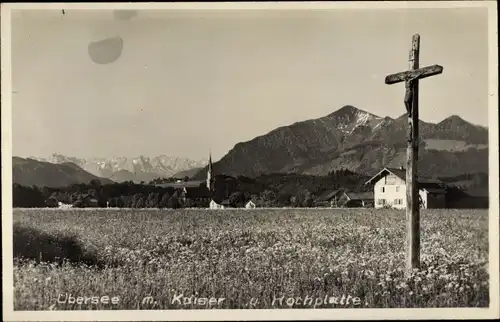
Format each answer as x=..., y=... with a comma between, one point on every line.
x=411, y=78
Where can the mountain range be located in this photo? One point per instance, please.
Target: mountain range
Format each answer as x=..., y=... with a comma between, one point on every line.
x=354, y=139
x=136, y=169
x=349, y=138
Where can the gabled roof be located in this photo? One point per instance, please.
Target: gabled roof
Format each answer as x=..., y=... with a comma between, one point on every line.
x=401, y=173
x=328, y=195
x=256, y=202
x=360, y=195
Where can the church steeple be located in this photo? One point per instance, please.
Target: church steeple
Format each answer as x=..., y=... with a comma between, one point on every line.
x=210, y=172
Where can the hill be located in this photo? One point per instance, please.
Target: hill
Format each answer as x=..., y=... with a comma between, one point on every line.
x=359, y=141
x=30, y=172
x=187, y=173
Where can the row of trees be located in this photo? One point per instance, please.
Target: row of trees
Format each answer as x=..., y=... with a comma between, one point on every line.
x=277, y=190
x=274, y=190
x=126, y=194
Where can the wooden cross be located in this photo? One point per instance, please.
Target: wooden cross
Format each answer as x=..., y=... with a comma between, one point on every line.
x=411, y=77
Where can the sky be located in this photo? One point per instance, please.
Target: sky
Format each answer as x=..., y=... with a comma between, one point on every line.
x=185, y=82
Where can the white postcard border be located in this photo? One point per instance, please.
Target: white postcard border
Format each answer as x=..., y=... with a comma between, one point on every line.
x=254, y=314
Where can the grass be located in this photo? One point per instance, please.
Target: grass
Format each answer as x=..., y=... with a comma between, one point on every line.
x=251, y=258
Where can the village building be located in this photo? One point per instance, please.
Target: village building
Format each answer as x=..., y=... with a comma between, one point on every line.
x=329, y=198
x=194, y=192
x=61, y=205
x=390, y=190
x=345, y=198
x=356, y=199
x=250, y=205
x=213, y=192
x=220, y=188
x=215, y=205
x=86, y=201
x=220, y=204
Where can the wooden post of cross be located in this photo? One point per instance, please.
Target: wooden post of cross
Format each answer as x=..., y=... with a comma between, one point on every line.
x=411, y=78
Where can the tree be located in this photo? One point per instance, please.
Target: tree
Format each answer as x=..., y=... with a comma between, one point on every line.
x=284, y=198
x=27, y=196
x=309, y=201
x=189, y=203
x=164, y=200
x=51, y=202
x=237, y=199
x=140, y=201
x=95, y=183
x=268, y=197
x=153, y=200
x=173, y=202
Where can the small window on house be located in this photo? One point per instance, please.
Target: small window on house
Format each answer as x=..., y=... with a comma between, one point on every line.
x=397, y=188
x=398, y=201
x=381, y=202
x=383, y=189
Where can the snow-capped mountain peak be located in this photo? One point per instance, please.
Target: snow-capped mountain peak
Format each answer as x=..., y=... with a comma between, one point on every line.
x=138, y=168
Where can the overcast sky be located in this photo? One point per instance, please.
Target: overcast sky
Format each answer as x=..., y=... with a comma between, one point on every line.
x=189, y=81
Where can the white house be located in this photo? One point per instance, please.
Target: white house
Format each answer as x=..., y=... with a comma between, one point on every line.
x=250, y=205
x=214, y=205
x=390, y=190
x=64, y=206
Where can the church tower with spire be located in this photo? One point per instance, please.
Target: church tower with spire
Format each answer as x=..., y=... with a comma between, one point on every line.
x=210, y=179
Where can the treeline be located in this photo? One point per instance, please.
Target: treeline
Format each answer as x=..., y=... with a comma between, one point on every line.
x=297, y=190
x=123, y=195
x=274, y=190
x=468, y=180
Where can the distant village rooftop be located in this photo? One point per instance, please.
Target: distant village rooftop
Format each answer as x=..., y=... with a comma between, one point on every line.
x=329, y=195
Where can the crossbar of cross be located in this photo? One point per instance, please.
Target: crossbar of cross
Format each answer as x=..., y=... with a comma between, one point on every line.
x=410, y=75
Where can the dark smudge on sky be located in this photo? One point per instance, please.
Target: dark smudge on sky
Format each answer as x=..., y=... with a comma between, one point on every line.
x=106, y=51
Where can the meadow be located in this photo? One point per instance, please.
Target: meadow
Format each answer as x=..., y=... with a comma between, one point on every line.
x=261, y=258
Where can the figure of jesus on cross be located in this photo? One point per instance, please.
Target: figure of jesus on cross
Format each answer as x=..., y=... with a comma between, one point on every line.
x=411, y=78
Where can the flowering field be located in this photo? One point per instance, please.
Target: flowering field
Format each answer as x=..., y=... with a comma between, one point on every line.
x=188, y=259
